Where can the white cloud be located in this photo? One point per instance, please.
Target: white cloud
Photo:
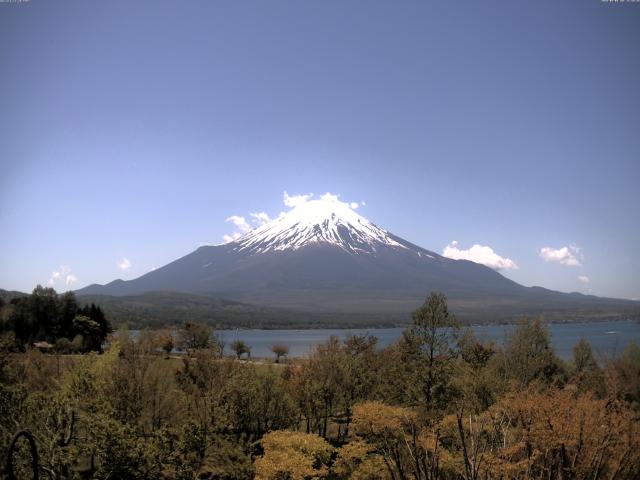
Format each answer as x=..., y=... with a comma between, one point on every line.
x=242, y=227
x=584, y=279
x=62, y=274
x=240, y=223
x=54, y=276
x=291, y=201
x=232, y=237
x=330, y=197
x=260, y=218
x=569, y=256
x=124, y=264
x=295, y=200
x=479, y=254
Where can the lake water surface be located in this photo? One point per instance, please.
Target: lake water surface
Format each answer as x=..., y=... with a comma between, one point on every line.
x=606, y=338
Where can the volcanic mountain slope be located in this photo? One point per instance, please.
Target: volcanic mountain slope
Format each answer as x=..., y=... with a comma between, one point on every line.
x=322, y=256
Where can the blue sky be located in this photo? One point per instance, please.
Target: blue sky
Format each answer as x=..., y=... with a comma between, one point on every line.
x=132, y=130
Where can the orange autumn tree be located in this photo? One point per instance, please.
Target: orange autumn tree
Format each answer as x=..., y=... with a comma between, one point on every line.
x=560, y=435
x=557, y=434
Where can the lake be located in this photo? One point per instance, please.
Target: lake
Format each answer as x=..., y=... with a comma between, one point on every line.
x=606, y=338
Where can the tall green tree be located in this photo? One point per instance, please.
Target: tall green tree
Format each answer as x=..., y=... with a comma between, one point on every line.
x=90, y=332
x=195, y=336
x=626, y=371
x=45, y=313
x=529, y=356
x=428, y=348
x=585, y=371
x=583, y=359
x=68, y=310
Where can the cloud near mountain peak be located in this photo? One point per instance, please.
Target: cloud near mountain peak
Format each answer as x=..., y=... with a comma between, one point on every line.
x=242, y=226
x=479, y=254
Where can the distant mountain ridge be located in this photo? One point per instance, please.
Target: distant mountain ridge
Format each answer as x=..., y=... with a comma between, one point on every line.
x=323, y=257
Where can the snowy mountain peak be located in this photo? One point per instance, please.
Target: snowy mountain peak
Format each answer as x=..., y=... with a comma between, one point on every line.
x=326, y=220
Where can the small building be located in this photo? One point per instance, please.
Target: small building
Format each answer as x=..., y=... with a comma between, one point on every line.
x=43, y=346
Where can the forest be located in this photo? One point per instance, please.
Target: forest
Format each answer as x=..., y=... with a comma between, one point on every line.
x=52, y=321
x=438, y=404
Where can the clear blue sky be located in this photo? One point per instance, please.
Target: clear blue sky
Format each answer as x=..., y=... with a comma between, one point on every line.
x=133, y=129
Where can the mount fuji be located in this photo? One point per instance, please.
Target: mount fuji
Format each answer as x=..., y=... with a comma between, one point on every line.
x=323, y=257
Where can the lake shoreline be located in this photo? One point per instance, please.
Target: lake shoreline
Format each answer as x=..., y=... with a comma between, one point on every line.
x=606, y=337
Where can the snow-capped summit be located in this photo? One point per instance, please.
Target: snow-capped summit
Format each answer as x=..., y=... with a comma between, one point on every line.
x=326, y=220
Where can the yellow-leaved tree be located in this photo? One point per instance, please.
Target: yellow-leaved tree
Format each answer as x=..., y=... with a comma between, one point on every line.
x=358, y=460
x=292, y=455
x=408, y=447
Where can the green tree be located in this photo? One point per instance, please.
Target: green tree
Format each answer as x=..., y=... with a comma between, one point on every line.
x=474, y=379
x=256, y=402
x=583, y=359
x=68, y=310
x=428, y=348
x=360, y=367
x=586, y=374
x=529, y=356
x=627, y=373
x=280, y=350
x=240, y=348
x=318, y=384
x=90, y=331
x=473, y=351
x=96, y=314
x=166, y=341
x=77, y=344
x=45, y=313
x=195, y=336
x=202, y=378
